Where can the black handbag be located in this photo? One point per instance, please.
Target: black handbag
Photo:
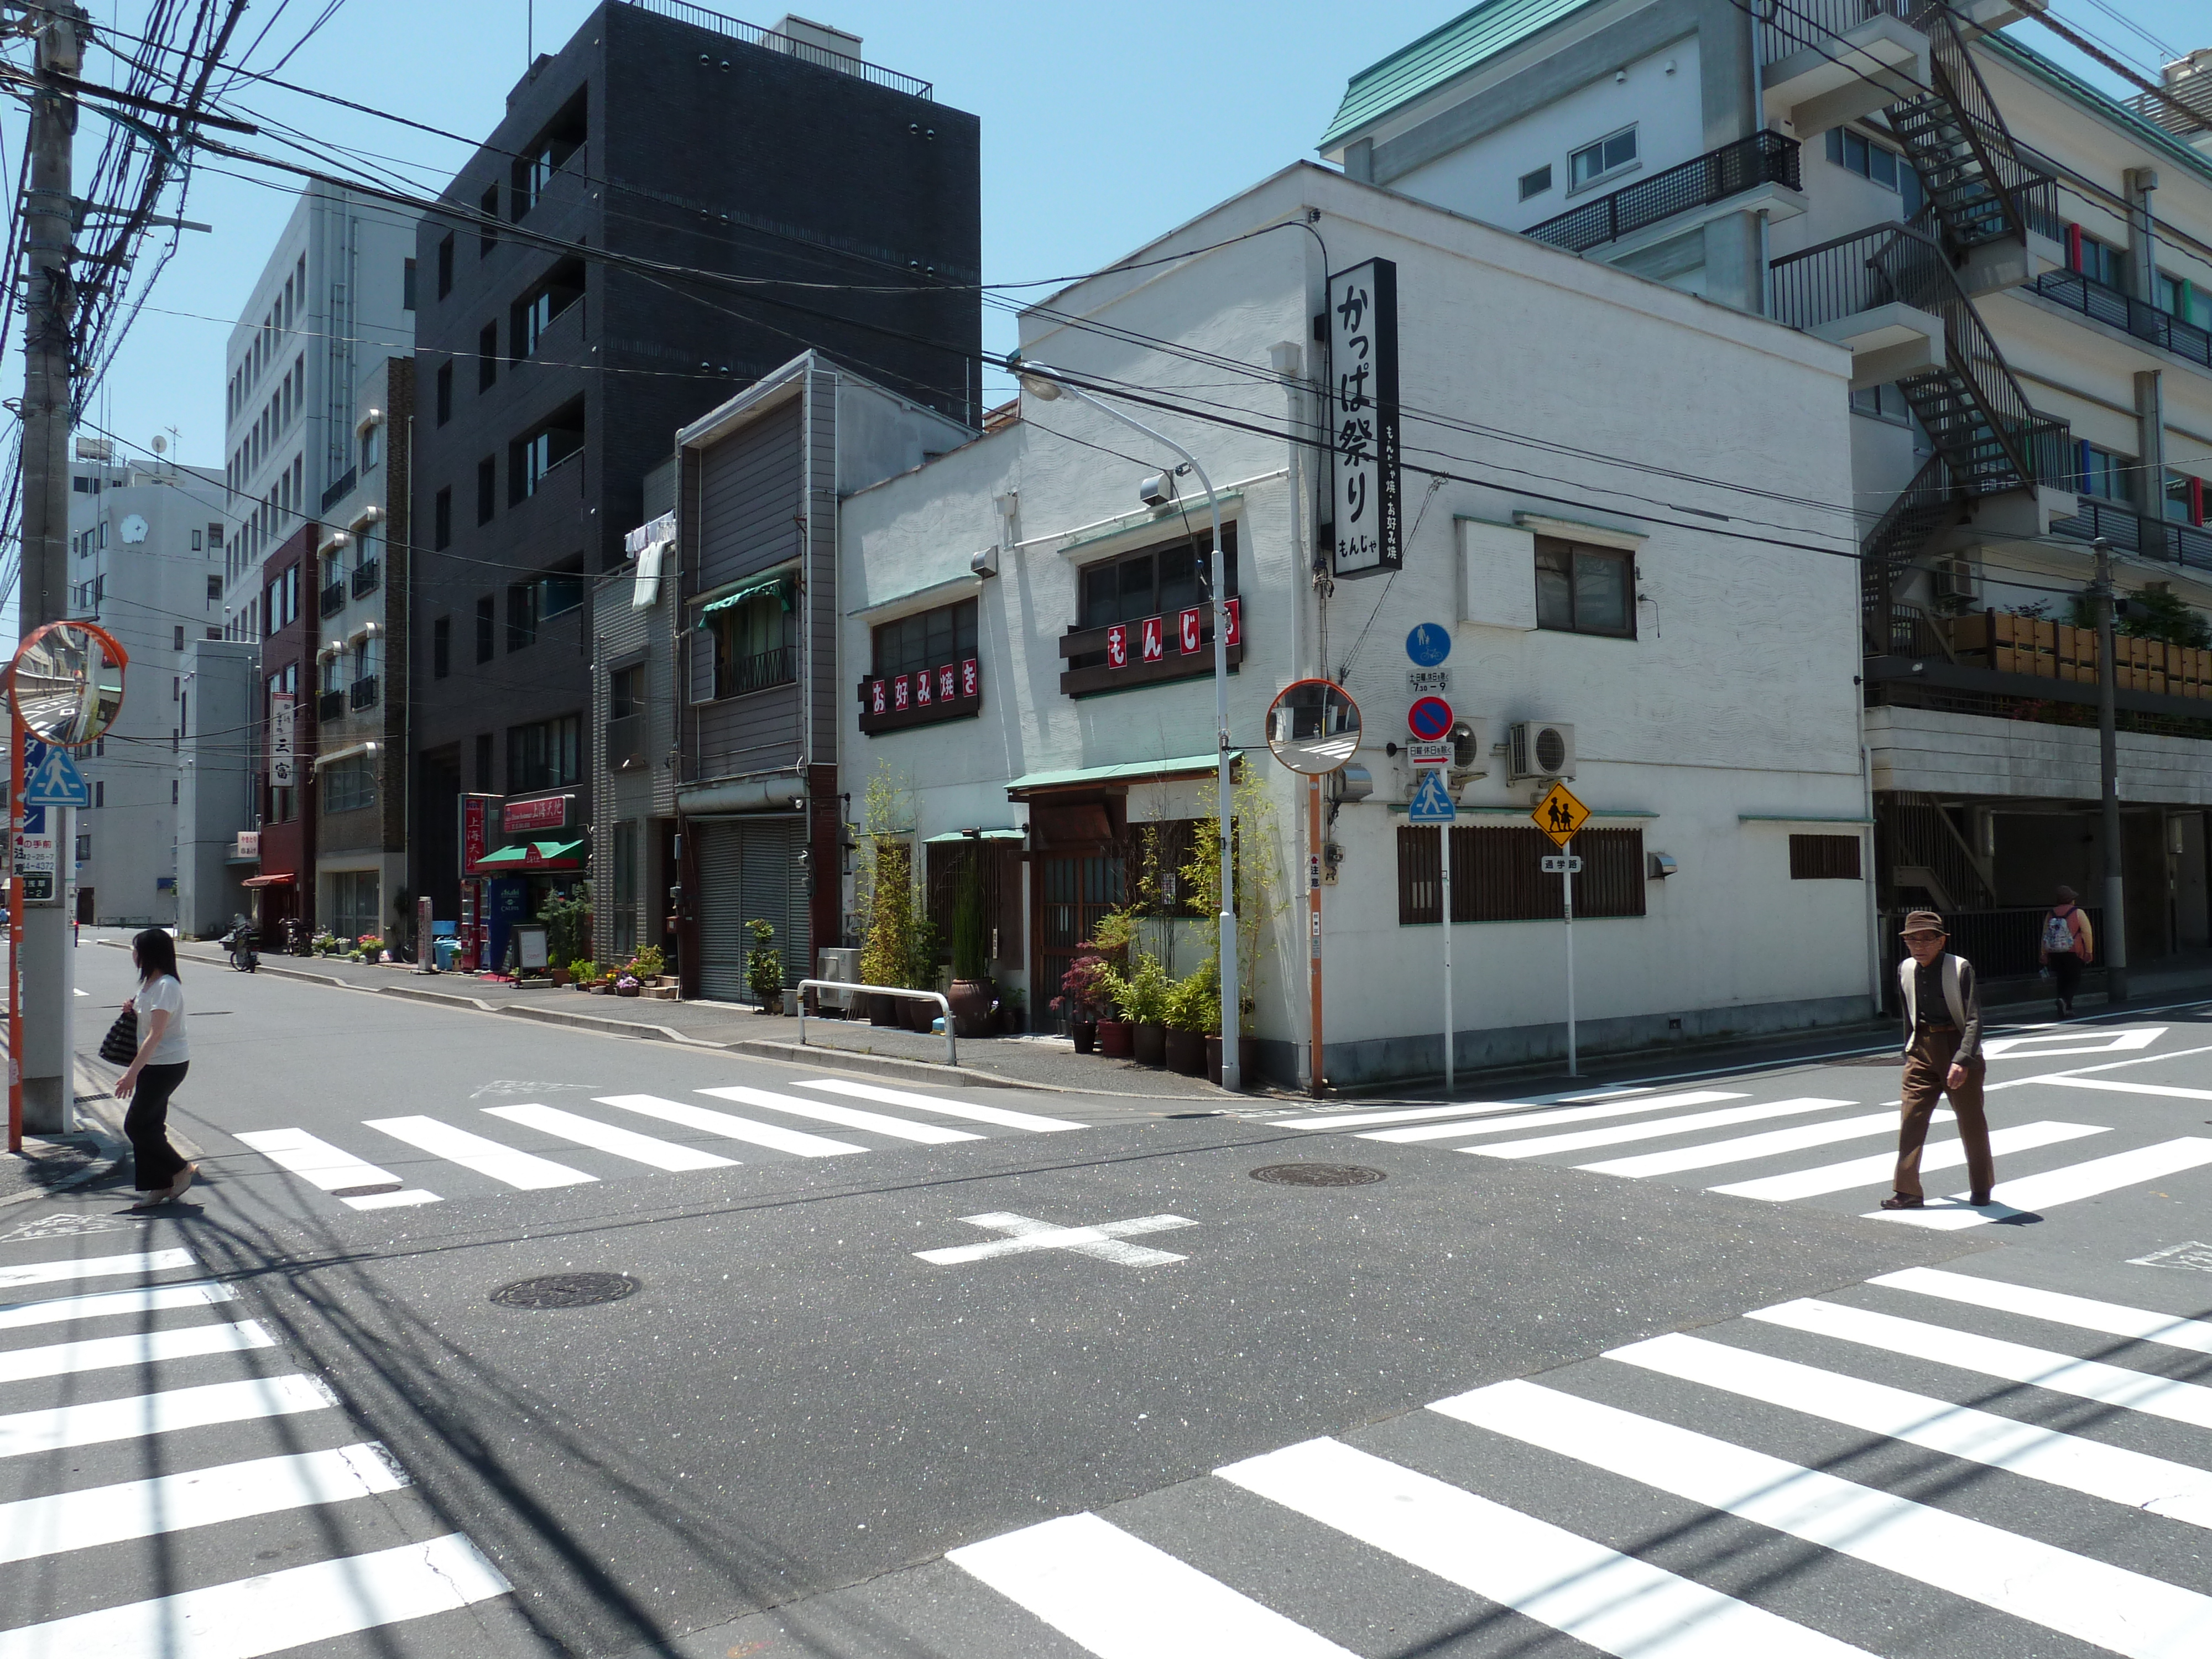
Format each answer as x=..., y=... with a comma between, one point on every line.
x=120, y=1046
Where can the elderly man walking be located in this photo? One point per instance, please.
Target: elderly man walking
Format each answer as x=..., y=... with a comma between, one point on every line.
x=1942, y=1056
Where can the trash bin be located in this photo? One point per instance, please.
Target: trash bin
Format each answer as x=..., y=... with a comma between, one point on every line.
x=446, y=949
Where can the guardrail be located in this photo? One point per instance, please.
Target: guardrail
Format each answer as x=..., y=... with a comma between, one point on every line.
x=1764, y=158
x=943, y=1006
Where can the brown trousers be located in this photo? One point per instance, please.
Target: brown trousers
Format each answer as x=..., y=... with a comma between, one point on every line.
x=1926, y=1064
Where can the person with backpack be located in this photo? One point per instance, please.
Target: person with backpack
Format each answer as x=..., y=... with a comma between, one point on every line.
x=1942, y=1056
x=2068, y=947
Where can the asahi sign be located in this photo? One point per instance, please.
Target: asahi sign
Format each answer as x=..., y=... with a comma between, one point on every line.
x=1362, y=348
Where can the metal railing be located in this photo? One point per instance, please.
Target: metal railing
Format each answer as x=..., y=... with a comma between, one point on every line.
x=1790, y=26
x=756, y=673
x=363, y=693
x=365, y=577
x=1764, y=158
x=334, y=597
x=2128, y=531
x=338, y=491
x=754, y=34
x=330, y=706
x=2093, y=299
x=943, y=1006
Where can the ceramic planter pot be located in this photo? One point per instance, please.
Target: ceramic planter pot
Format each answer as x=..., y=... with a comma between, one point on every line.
x=1150, y=1044
x=1113, y=1038
x=885, y=1010
x=971, y=1000
x=918, y=1013
x=1185, y=1052
x=1086, y=1032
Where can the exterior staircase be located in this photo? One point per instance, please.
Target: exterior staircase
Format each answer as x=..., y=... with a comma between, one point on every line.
x=1977, y=186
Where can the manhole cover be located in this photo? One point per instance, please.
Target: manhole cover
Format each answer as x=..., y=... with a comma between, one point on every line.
x=1317, y=1175
x=565, y=1291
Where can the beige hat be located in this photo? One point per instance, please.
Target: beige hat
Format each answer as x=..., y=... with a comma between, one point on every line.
x=1925, y=921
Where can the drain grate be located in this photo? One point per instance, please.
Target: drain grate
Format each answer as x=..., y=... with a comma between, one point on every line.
x=1318, y=1175
x=565, y=1291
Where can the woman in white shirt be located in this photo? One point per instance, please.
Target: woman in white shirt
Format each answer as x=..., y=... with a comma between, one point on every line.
x=155, y=1071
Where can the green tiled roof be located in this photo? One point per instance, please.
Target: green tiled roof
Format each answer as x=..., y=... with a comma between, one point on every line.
x=1413, y=71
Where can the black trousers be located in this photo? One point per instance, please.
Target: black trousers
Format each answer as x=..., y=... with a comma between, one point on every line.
x=2066, y=971
x=146, y=1124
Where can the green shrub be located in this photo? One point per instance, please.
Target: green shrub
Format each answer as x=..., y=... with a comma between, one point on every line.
x=1149, y=988
x=567, y=918
x=1194, y=1003
x=764, y=963
x=648, y=963
x=971, y=939
x=585, y=971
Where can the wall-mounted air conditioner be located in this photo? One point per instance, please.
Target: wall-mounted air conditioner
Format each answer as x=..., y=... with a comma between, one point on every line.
x=1954, y=578
x=1539, y=748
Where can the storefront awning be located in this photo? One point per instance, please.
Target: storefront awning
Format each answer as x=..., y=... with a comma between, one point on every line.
x=779, y=584
x=531, y=855
x=1187, y=766
x=281, y=879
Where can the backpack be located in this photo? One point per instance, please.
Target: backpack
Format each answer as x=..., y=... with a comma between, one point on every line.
x=2058, y=933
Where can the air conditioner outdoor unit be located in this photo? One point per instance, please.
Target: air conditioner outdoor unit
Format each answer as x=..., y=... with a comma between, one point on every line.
x=1541, y=749
x=1954, y=578
x=839, y=963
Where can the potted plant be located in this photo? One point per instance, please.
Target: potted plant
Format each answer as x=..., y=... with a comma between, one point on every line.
x=887, y=951
x=584, y=975
x=1084, y=991
x=567, y=918
x=368, y=948
x=1259, y=896
x=1012, y=1012
x=921, y=975
x=765, y=966
x=971, y=992
x=1193, y=1006
x=1146, y=1009
x=626, y=985
x=647, y=965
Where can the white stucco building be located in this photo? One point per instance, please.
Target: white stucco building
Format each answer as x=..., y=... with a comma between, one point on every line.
x=1629, y=506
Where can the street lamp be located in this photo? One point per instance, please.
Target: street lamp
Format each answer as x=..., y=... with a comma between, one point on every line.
x=1046, y=384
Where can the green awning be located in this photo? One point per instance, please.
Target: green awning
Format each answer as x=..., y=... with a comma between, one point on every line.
x=780, y=585
x=534, y=852
x=1187, y=766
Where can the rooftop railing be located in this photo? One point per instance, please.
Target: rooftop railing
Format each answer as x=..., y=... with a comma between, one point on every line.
x=754, y=35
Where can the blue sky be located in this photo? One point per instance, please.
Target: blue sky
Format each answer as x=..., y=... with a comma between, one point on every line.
x=1103, y=125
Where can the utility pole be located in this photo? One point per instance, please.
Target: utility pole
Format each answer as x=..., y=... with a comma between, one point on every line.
x=49, y=331
x=2108, y=769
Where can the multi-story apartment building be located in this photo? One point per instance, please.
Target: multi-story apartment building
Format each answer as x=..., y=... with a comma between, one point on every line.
x=559, y=356
x=364, y=555
x=2020, y=266
x=146, y=552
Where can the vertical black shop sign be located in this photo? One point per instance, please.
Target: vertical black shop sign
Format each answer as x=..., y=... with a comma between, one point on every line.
x=1364, y=530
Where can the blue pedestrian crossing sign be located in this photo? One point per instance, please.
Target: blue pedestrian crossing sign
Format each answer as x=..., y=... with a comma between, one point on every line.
x=55, y=782
x=1432, y=802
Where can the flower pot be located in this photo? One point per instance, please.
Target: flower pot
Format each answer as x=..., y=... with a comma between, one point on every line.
x=885, y=1010
x=626, y=990
x=772, y=1005
x=562, y=976
x=1113, y=1038
x=1086, y=1032
x=1185, y=1052
x=1150, y=1044
x=971, y=1000
x=1248, y=1060
x=918, y=1013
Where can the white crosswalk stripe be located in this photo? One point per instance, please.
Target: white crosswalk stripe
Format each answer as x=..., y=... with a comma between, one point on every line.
x=848, y=1117
x=2051, y=1188
x=235, y=1460
x=1613, y=1135
x=1650, y=1461
x=486, y=1157
x=1876, y=1168
x=607, y=1137
x=959, y=1109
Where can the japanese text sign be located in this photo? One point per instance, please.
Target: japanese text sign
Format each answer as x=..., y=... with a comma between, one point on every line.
x=1363, y=331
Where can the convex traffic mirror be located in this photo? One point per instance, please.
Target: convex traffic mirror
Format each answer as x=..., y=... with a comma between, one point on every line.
x=1313, y=726
x=65, y=683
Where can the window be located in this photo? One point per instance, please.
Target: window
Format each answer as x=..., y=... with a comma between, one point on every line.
x=444, y=401
x=2105, y=474
x=179, y=631
x=752, y=644
x=1155, y=607
x=487, y=621
x=1537, y=182
x=521, y=615
x=442, y=519
x=348, y=785
x=197, y=548
x=372, y=445
x=551, y=299
x=441, y=648
x=354, y=898
x=1497, y=875
x=544, y=157
x=2185, y=498
x=545, y=754
x=215, y=535
x=561, y=589
x=487, y=237
x=922, y=668
x=1584, y=590
x=98, y=793
x=173, y=792
x=2190, y=301
x=487, y=357
x=531, y=460
x=407, y=286
x=483, y=761
x=1608, y=156
x=445, y=266
x=1821, y=858
x=625, y=861
x=487, y=487
x=1882, y=402
x=1856, y=153
x=2100, y=261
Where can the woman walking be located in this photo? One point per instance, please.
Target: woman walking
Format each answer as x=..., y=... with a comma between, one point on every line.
x=155, y=1071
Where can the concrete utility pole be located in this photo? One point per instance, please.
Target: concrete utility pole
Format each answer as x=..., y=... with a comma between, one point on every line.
x=2115, y=942
x=49, y=330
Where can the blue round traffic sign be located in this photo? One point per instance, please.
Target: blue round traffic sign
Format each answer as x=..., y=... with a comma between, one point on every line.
x=1429, y=644
x=1429, y=719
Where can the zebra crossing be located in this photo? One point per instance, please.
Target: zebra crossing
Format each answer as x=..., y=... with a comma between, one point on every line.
x=565, y=1147
x=164, y=1451
x=1902, y=1467
x=2033, y=1176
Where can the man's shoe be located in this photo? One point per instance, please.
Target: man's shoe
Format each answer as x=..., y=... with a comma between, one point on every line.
x=1904, y=1201
x=1979, y=1200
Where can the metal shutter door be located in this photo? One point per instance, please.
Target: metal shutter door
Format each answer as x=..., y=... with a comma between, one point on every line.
x=722, y=910
x=773, y=883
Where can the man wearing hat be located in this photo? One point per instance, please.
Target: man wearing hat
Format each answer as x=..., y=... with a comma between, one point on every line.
x=1942, y=1056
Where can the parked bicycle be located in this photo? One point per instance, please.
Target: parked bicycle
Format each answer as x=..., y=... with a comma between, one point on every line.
x=239, y=943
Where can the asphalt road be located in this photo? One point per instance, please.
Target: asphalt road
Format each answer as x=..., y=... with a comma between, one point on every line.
x=876, y=1399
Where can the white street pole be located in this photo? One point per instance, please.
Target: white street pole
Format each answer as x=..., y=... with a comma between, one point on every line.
x=1567, y=887
x=1445, y=830
x=1047, y=383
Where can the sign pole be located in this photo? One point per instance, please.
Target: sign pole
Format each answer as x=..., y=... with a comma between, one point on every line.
x=1567, y=888
x=1314, y=856
x=1444, y=831
x=17, y=731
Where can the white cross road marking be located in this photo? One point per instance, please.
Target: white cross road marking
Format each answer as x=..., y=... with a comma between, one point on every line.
x=1026, y=1233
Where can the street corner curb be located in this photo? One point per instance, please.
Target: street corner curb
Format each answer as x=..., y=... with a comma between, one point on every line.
x=637, y=1029
x=447, y=998
x=915, y=1071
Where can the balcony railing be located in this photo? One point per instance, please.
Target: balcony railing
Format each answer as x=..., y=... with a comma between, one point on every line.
x=363, y=693
x=334, y=597
x=2125, y=311
x=364, y=578
x=1764, y=158
x=738, y=675
x=338, y=491
x=330, y=706
x=2128, y=531
x=1789, y=26
x=754, y=34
